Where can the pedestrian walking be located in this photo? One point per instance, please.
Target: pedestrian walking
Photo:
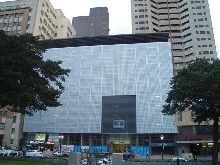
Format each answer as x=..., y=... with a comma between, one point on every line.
x=147, y=155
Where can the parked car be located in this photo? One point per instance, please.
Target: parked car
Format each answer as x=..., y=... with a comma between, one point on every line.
x=64, y=152
x=11, y=153
x=2, y=150
x=34, y=153
x=57, y=153
x=180, y=159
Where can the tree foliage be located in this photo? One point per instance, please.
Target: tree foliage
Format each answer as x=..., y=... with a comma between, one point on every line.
x=197, y=88
x=28, y=82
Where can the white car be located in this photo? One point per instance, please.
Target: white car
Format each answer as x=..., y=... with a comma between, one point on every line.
x=2, y=149
x=180, y=159
x=11, y=153
x=57, y=153
x=34, y=153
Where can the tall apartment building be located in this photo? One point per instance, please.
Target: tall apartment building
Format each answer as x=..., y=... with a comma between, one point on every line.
x=187, y=21
x=96, y=24
x=189, y=24
x=41, y=19
x=37, y=17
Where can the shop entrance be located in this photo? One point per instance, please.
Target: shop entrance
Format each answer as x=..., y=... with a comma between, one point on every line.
x=118, y=148
x=119, y=143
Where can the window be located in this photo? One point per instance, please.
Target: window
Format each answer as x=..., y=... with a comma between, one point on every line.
x=141, y=10
x=203, y=129
x=141, y=28
x=13, y=130
x=14, y=119
x=4, y=113
x=202, y=32
x=205, y=52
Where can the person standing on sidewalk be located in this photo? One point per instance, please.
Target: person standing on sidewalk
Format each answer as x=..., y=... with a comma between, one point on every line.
x=147, y=155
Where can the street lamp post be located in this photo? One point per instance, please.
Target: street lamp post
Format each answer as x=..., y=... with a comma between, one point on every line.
x=162, y=138
x=60, y=141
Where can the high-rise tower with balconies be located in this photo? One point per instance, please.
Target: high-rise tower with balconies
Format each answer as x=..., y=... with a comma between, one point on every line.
x=187, y=21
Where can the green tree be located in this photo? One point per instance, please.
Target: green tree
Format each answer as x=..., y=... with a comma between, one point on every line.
x=28, y=82
x=197, y=88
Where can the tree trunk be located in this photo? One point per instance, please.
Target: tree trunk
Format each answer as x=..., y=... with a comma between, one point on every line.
x=216, y=144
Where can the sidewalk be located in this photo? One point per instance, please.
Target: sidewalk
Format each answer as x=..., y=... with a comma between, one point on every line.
x=169, y=157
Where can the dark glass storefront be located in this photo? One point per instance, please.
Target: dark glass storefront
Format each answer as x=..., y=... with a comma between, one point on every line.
x=119, y=114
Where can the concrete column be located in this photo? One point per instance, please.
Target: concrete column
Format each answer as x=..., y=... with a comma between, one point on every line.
x=102, y=140
x=81, y=139
x=90, y=139
x=68, y=139
x=74, y=158
x=117, y=158
x=150, y=149
x=137, y=141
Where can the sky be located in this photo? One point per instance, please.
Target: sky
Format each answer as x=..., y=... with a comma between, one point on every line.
x=120, y=16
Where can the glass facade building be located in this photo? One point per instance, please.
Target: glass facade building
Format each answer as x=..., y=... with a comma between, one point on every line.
x=126, y=76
